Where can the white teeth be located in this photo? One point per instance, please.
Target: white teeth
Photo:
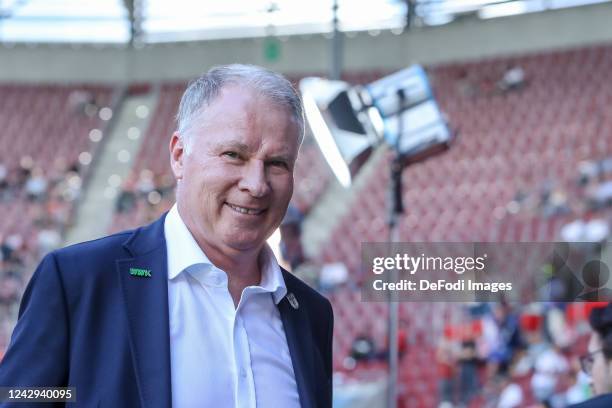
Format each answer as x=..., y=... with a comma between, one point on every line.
x=243, y=210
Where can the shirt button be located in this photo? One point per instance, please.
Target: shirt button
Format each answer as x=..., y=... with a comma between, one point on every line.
x=243, y=373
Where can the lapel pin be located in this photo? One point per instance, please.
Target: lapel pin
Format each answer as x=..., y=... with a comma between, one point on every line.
x=145, y=273
x=293, y=301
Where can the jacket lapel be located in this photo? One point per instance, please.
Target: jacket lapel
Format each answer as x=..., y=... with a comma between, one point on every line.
x=144, y=284
x=299, y=340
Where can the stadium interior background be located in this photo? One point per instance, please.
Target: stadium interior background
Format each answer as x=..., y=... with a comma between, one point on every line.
x=87, y=105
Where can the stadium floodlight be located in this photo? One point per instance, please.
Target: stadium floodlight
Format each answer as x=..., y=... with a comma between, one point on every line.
x=415, y=127
x=413, y=122
x=343, y=141
x=347, y=122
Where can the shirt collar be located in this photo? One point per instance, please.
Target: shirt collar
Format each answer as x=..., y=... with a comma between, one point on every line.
x=271, y=275
x=184, y=252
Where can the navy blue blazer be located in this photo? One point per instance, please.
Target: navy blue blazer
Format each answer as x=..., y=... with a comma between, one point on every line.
x=87, y=320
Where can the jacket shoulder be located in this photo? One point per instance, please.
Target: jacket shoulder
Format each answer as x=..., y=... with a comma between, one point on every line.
x=304, y=292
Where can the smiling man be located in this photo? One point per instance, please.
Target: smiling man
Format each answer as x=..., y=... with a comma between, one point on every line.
x=192, y=310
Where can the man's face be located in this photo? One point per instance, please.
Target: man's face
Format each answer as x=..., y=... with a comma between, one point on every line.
x=235, y=178
x=601, y=373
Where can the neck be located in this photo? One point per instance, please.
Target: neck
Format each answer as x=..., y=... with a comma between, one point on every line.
x=242, y=268
x=239, y=265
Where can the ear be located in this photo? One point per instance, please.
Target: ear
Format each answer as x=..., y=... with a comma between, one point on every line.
x=177, y=153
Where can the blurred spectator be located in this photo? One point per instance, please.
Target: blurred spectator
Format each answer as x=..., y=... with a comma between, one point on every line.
x=468, y=371
x=557, y=327
x=309, y=272
x=11, y=248
x=7, y=187
x=127, y=198
x=36, y=185
x=4, y=249
x=83, y=102
x=333, y=275
x=57, y=211
x=587, y=170
x=49, y=238
x=553, y=200
x=549, y=367
x=511, y=394
x=533, y=334
x=445, y=360
x=145, y=183
x=145, y=197
x=502, y=336
x=595, y=230
x=291, y=237
x=599, y=195
x=4, y=184
x=363, y=348
x=10, y=289
x=596, y=179
x=513, y=79
x=23, y=173
x=164, y=183
x=548, y=200
x=598, y=361
x=579, y=389
x=68, y=188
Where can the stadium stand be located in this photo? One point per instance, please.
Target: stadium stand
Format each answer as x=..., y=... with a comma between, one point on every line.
x=509, y=142
x=46, y=146
x=44, y=131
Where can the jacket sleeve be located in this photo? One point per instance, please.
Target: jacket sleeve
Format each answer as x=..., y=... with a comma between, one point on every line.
x=37, y=355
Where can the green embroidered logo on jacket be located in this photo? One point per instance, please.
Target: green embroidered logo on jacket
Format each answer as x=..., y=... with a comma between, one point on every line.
x=140, y=272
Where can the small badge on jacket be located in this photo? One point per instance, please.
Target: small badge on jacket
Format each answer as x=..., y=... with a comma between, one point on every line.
x=293, y=301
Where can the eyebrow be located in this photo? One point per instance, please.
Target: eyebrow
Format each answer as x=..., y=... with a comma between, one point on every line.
x=280, y=157
x=244, y=149
x=239, y=147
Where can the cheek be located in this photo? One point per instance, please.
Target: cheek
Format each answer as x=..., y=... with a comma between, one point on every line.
x=210, y=183
x=200, y=196
x=283, y=187
x=599, y=377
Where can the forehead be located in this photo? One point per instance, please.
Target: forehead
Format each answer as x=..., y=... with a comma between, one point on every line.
x=241, y=109
x=242, y=101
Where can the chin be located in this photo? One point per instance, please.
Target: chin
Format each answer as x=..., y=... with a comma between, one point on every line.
x=243, y=243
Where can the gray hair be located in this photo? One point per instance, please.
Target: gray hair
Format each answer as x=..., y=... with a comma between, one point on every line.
x=202, y=91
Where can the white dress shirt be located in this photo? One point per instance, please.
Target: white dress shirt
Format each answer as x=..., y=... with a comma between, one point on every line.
x=222, y=355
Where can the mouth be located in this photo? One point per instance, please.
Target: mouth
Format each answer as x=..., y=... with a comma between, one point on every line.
x=245, y=210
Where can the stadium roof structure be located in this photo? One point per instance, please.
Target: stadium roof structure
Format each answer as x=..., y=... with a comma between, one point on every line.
x=158, y=21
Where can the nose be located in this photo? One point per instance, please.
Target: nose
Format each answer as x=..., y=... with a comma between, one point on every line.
x=254, y=180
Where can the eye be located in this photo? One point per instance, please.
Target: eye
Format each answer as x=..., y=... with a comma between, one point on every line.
x=278, y=163
x=231, y=155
